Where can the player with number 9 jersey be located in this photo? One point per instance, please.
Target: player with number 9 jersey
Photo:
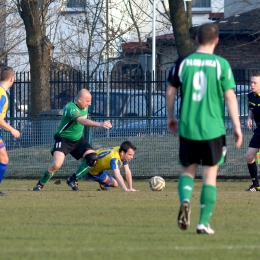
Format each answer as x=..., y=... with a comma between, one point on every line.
x=202, y=75
x=205, y=80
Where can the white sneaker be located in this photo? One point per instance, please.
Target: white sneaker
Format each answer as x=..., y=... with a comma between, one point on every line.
x=201, y=229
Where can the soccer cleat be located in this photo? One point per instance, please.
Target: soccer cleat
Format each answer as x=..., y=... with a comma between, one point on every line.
x=103, y=187
x=253, y=188
x=201, y=229
x=2, y=194
x=39, y=186
x=73, y=184
x=184, y=215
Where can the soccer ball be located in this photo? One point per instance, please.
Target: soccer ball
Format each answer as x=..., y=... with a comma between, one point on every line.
x=157, y=183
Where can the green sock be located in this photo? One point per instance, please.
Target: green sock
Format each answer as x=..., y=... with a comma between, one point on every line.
x=82, y=170
x=185, y=187
x=46, y=176
x=207, y=203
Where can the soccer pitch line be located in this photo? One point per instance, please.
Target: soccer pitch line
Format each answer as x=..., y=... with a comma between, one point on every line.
x=231, y=247
x=180, y=248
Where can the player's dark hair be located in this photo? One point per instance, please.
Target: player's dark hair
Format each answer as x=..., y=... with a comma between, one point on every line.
x=125, y=146
x=7, y=73
x=256, y=74
x=207, y=33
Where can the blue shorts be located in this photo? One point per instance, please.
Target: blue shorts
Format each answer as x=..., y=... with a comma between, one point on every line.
x=103, y=177
x=2, y=144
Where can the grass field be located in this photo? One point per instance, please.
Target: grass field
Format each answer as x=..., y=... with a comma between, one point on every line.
x=57, y=223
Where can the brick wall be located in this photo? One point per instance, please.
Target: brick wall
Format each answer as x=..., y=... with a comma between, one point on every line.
x=242, y=51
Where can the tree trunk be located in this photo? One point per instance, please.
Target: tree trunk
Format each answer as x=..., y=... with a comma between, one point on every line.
x=180, y=27
x=189, y=13
x=40, y=51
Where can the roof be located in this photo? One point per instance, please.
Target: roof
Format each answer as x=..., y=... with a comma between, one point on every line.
x=135, y=47
x=243, y=23
x=168, y=36
x=216, y=16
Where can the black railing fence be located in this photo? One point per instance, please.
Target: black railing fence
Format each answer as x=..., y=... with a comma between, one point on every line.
x=65, y=85
x=131, y=94
x=134, y=103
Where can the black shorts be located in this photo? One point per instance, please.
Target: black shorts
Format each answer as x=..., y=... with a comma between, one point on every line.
x=207, y=153
x=255, y=141
x=75, y=148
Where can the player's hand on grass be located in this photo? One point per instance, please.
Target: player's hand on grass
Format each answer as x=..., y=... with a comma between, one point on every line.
x=106, y=124
x=129, y=190
x=173, y=125
x=133, y=189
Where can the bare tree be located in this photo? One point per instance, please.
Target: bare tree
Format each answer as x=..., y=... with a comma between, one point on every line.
x=40, y=51
x=180, y=27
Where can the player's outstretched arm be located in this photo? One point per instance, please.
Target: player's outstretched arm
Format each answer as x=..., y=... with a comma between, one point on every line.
x=90, y=123
x=129, y=179
x=120, y=179
x=106, y=124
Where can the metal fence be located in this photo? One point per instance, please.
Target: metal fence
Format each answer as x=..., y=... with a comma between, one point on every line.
x=144, y=125
x=157, y=149
x=65, y=85
x=114, y=94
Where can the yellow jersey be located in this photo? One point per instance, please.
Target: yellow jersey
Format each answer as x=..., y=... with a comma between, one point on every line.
x=108, y=159
x=3, y=102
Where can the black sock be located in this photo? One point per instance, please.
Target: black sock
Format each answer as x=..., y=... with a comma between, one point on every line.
x=253, y=173
x=73, y=177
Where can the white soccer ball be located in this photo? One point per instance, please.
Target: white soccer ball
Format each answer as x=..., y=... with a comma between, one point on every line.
x=157, y=183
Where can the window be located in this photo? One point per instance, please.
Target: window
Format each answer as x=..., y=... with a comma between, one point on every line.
x=75, y=4
x=201, y=3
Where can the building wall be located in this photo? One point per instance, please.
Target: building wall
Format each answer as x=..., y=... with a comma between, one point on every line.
x=240, y=51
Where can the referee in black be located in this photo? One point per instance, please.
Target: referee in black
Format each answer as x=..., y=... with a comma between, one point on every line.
x=254, y=144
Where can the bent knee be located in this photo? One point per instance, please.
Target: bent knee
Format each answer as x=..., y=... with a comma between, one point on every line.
x=249, y=158
x=54, y=167
x=113, y=183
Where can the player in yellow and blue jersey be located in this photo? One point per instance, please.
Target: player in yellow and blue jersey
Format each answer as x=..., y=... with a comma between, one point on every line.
x=7, y=80
x=113, y=159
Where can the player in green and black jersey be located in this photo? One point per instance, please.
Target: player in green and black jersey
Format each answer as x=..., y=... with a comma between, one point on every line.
x=69, y=140
x=204, y=80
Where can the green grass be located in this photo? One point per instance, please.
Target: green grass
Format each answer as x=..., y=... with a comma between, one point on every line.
x=58, y=223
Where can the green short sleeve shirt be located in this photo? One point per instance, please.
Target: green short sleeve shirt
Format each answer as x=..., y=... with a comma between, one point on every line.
x=203, y=79
x=69, y=127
